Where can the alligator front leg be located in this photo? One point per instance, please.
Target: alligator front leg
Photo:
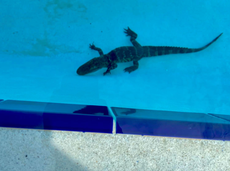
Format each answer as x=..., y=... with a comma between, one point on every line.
x=110, y=67
x=92, y=46
x=132, y=68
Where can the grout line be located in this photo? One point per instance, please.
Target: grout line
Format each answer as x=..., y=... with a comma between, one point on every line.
x=114, y=119
x=218, y=117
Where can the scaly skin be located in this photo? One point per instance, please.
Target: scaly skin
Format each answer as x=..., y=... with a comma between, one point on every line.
x=130, y=53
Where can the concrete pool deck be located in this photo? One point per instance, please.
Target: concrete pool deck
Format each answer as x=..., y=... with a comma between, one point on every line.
x=38, y=150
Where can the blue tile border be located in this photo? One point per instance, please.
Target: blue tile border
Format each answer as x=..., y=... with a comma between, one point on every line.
x=84, y=123
x=100, y=119
x=172, y=124
x=54, y=116
x=178, y=129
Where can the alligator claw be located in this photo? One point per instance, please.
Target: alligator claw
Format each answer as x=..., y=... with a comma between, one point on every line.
x=91, y=46
x=129, y=32
x=106, y=72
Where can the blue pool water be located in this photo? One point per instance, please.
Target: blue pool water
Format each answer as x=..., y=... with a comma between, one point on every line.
x=44, y=42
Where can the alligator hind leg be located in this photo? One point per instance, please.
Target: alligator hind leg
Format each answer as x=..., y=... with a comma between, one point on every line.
x=138, y=47
x=92, y=46
x=133, y=37
x=132, y=68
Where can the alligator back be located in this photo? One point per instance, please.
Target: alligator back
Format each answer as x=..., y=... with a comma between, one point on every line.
x=149, y=51
x=129, y=53
x=123, y=54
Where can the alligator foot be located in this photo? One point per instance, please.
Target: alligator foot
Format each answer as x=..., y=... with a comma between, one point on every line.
x=92, y=46
x=130, y=33
x=107, y=72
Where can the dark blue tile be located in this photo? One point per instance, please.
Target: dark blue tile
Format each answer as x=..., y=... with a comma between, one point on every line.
x=55, y=116
x=21, y=119
x=172, y=124
x=85, y=123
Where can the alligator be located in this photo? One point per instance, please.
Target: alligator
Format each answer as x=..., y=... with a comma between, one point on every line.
x=131, y=53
